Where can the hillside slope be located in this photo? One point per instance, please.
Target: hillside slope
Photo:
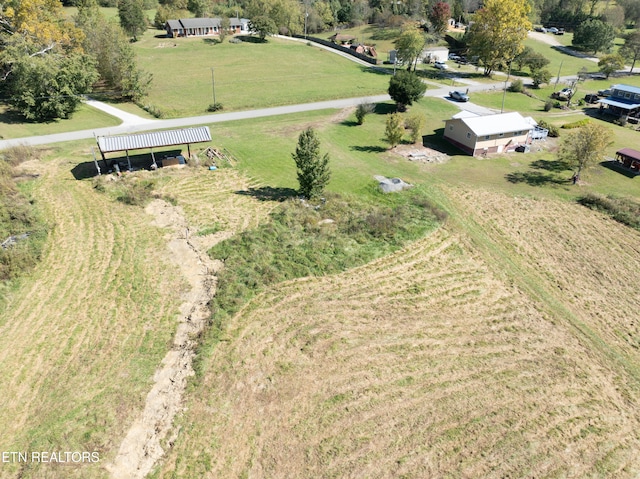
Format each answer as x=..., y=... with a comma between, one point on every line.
x=502, y=345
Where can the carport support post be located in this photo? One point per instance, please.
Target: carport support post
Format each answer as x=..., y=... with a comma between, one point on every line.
x=128, y=160
x=189, y=150
x=153, y=157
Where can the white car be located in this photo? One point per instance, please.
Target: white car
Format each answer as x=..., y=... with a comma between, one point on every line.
x=440, y=65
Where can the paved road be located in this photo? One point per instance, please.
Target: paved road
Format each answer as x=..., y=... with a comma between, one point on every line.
x=132, y=123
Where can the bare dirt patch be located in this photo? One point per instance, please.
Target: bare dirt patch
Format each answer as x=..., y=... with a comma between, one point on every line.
x=141, y=448
x=420, y=153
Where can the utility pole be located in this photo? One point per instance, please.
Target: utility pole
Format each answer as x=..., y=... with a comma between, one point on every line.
x=504, y=93
x=213, y=84
x=558, y=77
x=306, y=15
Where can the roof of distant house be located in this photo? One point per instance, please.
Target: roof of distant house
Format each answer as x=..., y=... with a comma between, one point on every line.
x=499, y=123
x=203, y=22
x=629, y=88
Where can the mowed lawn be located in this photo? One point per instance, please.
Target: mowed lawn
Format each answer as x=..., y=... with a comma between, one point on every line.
x=248, y=75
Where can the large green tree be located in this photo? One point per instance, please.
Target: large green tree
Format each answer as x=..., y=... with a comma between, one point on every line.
x=631, y=48
x=132, y=18
x=611, y=63
x=410, y=44
x=263, y=26
x=47, y=87
x=498, y=32
x=405, y=88
x=312, y=168
x=585, y=146
x=114, y=55
x=594, y=35
x=287, y=15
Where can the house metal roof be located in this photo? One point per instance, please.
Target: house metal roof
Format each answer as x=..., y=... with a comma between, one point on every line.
x=108, y=144
x=625, y=105
x=184, y=23
x=499, y=123
x=623, y=87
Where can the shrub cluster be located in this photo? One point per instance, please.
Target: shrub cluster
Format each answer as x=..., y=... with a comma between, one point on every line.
x=20, y=224
x=623, y=210
x=575, y=124
x=517, y=86
x=305, y=240
x=554, y=131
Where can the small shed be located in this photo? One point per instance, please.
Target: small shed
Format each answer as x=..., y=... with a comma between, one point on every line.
x=629, y=158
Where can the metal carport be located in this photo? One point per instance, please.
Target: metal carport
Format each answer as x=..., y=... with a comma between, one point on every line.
x=151, y=140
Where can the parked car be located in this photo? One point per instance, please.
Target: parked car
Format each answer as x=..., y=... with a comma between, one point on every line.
x=560, y=31
x=541, y=29
x=440, y=65
x=591, y=98
x=453, y=56
x=606, y=92
x=523, y=148
x=563, y=94
x=462, y=61
x=458, y=96
x=553, y=30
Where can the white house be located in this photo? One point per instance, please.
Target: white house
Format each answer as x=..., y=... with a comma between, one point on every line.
x=479, y=135
x=204, y=27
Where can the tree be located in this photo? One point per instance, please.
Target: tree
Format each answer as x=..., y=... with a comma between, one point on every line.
x=536, y=61
x=405, y=88
x=225, y=25
x=631, y=48
x=594, y=35
x=415, y=123
x=393, y=130
x=287, y=15
x=409, y=45
x=263, y=26
x=521, y=58
x=611, y=63
x=439, y=17
x=498, y=32
x=585, y=146
x=132, y=18
x=197, y=7
x=44, y=88
x=313, y=170
x=540, y=76
x=631, y=10
x=362, y=110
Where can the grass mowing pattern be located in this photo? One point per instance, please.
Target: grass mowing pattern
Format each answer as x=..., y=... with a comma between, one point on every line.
x=81, y=337
x=423, y=363
x=306, y=240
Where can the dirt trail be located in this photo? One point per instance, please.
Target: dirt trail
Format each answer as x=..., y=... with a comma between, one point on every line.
x=141, y=448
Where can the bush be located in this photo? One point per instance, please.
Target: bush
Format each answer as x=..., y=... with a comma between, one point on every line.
x=554, y=131
x=152, y=110
x=575, y=124
x=362, y=110
x=217, y=106
x=136, y=192
x=517, y=86
x=548, y=105
x=294, y=243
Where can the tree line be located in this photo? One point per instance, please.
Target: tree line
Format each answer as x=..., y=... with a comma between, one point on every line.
x=48, y=61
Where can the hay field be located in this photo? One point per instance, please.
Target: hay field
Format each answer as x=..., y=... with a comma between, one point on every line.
x=81, y=338
x=503, y=345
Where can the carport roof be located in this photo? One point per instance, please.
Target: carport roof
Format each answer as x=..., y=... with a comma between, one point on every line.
x=620, y=104
x=154, y=139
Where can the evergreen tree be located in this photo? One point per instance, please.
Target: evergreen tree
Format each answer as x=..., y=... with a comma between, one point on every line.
x=313, y=169
x=405, y=88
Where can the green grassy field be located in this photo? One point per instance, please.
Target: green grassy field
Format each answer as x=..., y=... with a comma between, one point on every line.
x=248, y=75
